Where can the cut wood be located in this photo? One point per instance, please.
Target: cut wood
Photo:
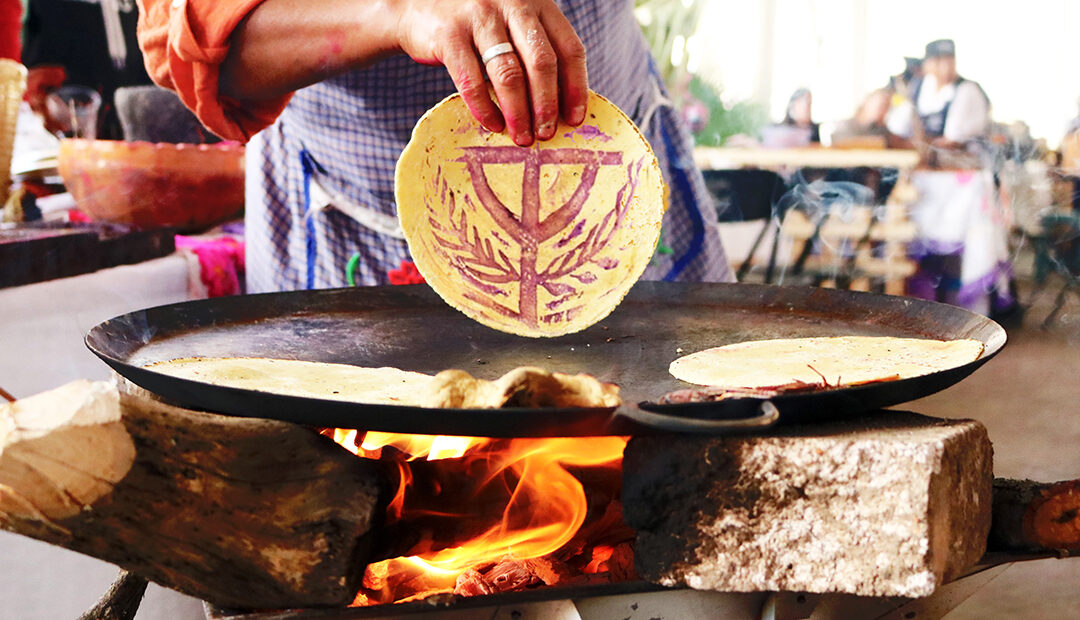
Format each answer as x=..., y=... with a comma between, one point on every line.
x=121, y=601
x=240, y=512
x=1036, y=516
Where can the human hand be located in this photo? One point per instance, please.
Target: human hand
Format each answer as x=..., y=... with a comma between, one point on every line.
x=40, y=81
x=543, y=79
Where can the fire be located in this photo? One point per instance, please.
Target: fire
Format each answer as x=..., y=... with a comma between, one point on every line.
x=542, y=504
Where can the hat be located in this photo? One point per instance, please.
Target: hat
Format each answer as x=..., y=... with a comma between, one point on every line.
x=941, y=47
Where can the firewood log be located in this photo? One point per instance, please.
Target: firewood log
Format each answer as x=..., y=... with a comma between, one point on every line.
x=1035, y=516
x=121, y=601
x=240, y=512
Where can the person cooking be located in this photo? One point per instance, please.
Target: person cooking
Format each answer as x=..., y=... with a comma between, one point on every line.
x=326, y=95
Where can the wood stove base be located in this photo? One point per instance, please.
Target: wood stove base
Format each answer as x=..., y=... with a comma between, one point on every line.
x=886, y=504
x=259, y=514
x=644, y=600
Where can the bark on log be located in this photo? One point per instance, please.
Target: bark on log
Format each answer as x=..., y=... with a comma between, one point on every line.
x=121, y=601
x=1031, y=516
x=240, y=512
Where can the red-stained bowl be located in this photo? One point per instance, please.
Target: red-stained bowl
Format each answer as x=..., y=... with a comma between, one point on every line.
x=187, y=186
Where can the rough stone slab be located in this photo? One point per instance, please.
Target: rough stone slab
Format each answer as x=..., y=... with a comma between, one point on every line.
x=890, y=504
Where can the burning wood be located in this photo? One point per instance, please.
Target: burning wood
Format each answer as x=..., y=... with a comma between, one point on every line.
x=261, y=514
x=1035, y=516
x=478, y=516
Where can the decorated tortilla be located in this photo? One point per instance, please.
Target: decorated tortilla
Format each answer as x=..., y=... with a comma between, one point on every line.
x=536, y=241
x=821, y=362
x=374, y=386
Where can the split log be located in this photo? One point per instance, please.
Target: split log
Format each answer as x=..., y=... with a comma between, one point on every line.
x=240, y=512
x=1036, y=517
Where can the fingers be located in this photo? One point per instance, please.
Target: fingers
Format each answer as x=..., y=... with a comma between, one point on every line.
x=541, y=69
x=507, y=78
x=464, y=68
x=544, y=78
x=573, y=81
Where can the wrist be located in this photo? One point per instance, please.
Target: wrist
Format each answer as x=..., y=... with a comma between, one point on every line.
x=389, y=16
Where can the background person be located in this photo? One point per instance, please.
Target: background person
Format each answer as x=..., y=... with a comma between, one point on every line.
x=944, y=109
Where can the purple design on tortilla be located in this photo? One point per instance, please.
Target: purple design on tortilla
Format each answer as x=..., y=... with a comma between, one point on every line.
x=487, y=269
x=587, y=132
x=573, y=234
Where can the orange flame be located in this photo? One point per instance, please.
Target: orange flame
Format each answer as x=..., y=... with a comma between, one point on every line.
x=545, y=508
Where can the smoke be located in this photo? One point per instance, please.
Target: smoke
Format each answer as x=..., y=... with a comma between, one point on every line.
x=820, y=201
x=1025, y=220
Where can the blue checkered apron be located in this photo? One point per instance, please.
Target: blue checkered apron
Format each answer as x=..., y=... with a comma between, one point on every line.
x=320, y=180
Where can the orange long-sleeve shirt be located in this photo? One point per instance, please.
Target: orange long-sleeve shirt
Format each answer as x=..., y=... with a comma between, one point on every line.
x=184, y=43
x=10, y=23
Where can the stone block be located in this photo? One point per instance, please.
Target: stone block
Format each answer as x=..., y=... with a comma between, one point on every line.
x=887, y=504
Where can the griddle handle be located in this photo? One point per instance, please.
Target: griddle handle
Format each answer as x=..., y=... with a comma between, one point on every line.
x=768, y=415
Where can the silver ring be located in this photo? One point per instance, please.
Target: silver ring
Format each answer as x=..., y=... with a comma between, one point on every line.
x=496, y=50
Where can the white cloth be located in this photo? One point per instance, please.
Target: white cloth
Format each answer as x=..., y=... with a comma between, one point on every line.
x=44, y=324
x=968, y=118
x=959, y=211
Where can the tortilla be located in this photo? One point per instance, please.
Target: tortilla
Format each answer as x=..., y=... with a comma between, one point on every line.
x=374, y=386
x=821, y=362
x=450, y=389
x=526, y=386
x=537, y=241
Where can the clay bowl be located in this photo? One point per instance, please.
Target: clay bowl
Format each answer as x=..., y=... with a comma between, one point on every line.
x=190, y=187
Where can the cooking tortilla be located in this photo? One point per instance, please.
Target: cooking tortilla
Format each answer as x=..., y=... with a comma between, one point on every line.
x=451, y=389
x=374, y=386
x=801, y=363
x=526, y=386
x=537, y=241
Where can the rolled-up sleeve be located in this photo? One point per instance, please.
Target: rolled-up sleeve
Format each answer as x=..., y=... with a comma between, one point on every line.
x=184, y=43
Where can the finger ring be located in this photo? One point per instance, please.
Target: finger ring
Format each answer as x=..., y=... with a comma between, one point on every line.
x=496, y=50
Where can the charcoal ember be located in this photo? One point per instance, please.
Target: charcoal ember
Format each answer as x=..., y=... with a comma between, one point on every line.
x=472, y=583
x=608, y=529
x=507, y=575
x=549, y=570
x=612, y=563
x=620, y=566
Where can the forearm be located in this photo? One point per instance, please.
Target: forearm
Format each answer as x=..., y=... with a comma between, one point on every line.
x=284, y=45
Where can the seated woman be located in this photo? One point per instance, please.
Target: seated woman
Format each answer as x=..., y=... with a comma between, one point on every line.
x=797, y=128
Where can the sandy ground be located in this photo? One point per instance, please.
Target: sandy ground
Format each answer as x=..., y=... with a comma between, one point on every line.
x=1029, y=399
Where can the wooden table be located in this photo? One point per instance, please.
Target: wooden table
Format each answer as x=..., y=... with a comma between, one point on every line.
x=727, y=158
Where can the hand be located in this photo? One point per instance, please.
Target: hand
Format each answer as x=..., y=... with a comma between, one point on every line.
x=40, y=81
x=544, y=79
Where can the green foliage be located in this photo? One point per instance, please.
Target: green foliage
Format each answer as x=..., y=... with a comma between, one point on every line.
x=742, y=117
x=663, y=22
